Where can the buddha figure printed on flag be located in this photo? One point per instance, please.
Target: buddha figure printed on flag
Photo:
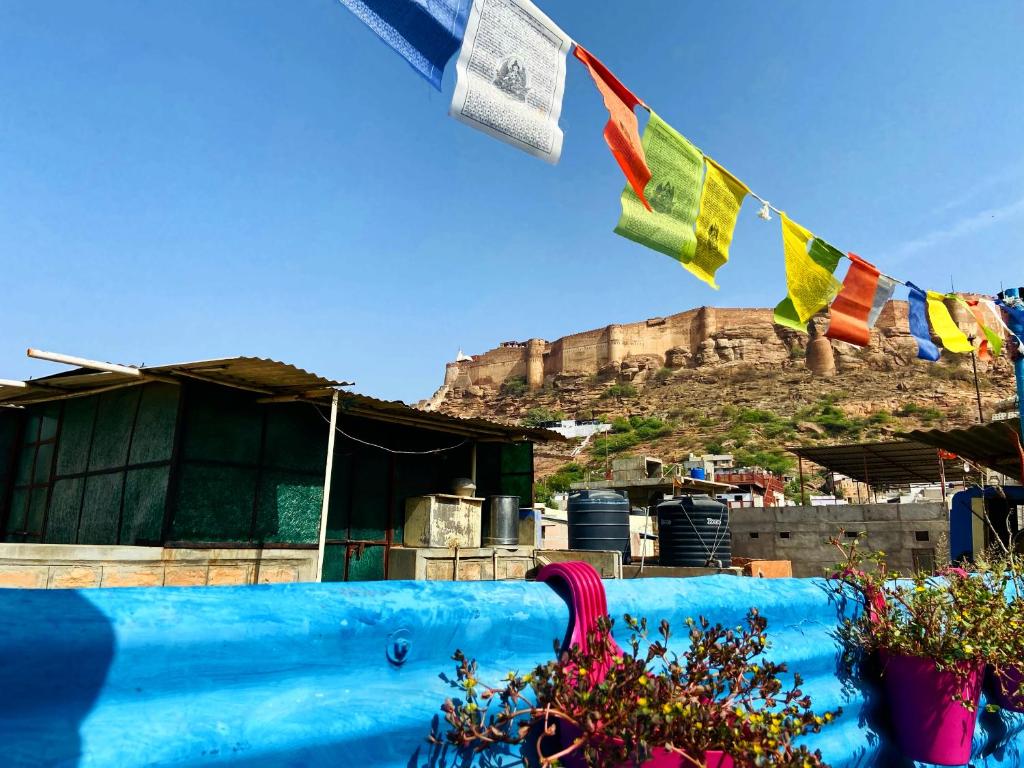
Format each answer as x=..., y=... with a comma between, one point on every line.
x=511, y=78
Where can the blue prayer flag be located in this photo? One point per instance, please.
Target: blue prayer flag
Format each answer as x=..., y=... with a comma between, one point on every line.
x=424, y=32
x=918, y=303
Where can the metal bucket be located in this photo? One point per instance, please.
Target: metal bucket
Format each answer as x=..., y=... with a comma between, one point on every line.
x=501, y=522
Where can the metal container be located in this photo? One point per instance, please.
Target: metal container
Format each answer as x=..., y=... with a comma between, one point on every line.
x=693, y=531
x=501, y=521
x=463, y=486
x=599, y=520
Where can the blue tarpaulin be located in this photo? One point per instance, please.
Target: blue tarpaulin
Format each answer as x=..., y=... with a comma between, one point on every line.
x=424, y=32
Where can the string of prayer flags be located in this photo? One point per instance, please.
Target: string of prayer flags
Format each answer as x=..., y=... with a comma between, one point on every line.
x=622, y=131
x=884, y=292
x=426, y=33
x=810, y=286
x=720, y=201
x=944, y=326
x=850, y=310
x=827, y=257
x=991, y=343
x=673, y=191
x=918, y=315
x=510, y=76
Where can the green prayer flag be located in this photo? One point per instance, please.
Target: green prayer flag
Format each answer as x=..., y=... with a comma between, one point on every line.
x=673, y=192
x=825, y=256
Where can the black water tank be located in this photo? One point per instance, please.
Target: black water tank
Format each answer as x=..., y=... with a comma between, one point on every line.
x=694, y=531
x=599, y=520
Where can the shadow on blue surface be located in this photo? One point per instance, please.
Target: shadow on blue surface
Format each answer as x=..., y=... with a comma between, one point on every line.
x=55, y=660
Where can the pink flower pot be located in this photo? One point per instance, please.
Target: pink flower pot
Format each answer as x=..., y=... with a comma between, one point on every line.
x=1005, y=689
x=928, y=725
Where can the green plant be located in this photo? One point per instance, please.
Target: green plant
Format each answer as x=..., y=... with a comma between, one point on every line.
x=880, y=417
x=514, y=387
x=953, y=620
x=621, y=424
x=924, y=413
x=775, y=461
x=720, y=693
x=619, y=390
x=756, y=416
x=663, y=374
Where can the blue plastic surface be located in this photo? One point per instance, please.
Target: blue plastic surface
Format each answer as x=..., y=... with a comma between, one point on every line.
x=348, y=674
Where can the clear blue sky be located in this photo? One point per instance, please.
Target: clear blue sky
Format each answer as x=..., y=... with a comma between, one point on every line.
x=187, y=179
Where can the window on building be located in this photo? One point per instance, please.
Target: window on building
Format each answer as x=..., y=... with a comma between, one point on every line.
x=924, y=560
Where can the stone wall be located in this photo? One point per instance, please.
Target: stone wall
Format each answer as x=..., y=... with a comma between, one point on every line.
x=799, y=534
x=74, y=566
x=696, y=338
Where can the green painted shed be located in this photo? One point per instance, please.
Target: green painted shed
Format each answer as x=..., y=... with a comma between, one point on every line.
x=232, y=453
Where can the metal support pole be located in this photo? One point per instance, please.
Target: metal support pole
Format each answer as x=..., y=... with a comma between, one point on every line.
x=942, y=477
x=1018, y=358
x=800, y=459
x=977, y=387
x=325, y=506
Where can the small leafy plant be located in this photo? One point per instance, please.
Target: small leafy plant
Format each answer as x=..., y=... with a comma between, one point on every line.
x=954, y=619
x=605, y=707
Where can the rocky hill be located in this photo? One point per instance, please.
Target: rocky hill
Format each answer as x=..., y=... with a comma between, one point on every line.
x=722, y=380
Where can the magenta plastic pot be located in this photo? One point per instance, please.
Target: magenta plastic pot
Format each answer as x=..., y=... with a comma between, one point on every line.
x=1005, y=687
x=928, y=724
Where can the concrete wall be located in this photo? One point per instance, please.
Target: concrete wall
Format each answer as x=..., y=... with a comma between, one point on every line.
x=799, y=534
x=331, y=675
x=63, y=566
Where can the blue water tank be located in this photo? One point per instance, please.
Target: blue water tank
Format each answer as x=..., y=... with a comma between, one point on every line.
x=698, y=473
x=599, y=520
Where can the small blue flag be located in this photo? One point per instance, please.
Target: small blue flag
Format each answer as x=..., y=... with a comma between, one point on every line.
x=918, y=302
x=424, y=32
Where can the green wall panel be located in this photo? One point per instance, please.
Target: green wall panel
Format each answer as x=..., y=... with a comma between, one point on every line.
x=296, y=438
x=516, y=457
x=334, y=562
x=114, y=418
x=154, y=428
x=65, y=503
x=75, y=435
x=145, y=494
x=340, y=508
x=101, y=508
x=44, y=463
x=49, y=415
x=23, y=470
x=369, y=496
x=367, y=566
x=214, y=503
x=289, y=508
x=222, y=425
x=16, y=520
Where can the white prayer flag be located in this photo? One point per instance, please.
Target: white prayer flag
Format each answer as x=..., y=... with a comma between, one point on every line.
x=511, y=76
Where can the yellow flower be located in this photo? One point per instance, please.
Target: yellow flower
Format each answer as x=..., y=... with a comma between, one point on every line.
x=642, y=701
x=642, y=680
x=666, y=708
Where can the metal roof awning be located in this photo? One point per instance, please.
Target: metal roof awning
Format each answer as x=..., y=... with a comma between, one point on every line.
x=884, y=464
x=992, y=445
x=273, y=380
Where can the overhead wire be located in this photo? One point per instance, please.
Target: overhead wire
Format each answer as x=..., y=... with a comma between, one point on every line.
x=384, y=448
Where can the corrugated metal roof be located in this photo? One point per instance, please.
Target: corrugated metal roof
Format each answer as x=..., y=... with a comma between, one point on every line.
x=273, y=379
x=891, y=463
x=992, y=445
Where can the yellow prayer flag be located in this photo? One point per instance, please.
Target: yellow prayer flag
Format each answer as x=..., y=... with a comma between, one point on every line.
x=720, y=200
x=945, y=328
x=811, y=287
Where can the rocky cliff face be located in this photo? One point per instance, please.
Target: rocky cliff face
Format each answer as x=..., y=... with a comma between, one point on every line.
x=714, y=370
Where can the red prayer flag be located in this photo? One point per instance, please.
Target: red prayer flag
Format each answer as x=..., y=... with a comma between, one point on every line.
x=622, y=132
x=849, y=311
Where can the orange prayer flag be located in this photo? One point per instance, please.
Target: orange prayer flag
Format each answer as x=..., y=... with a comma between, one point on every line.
x=850, y=310
x=622, y=132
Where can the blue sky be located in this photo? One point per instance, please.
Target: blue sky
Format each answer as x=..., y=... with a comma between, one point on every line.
x=188, y=179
